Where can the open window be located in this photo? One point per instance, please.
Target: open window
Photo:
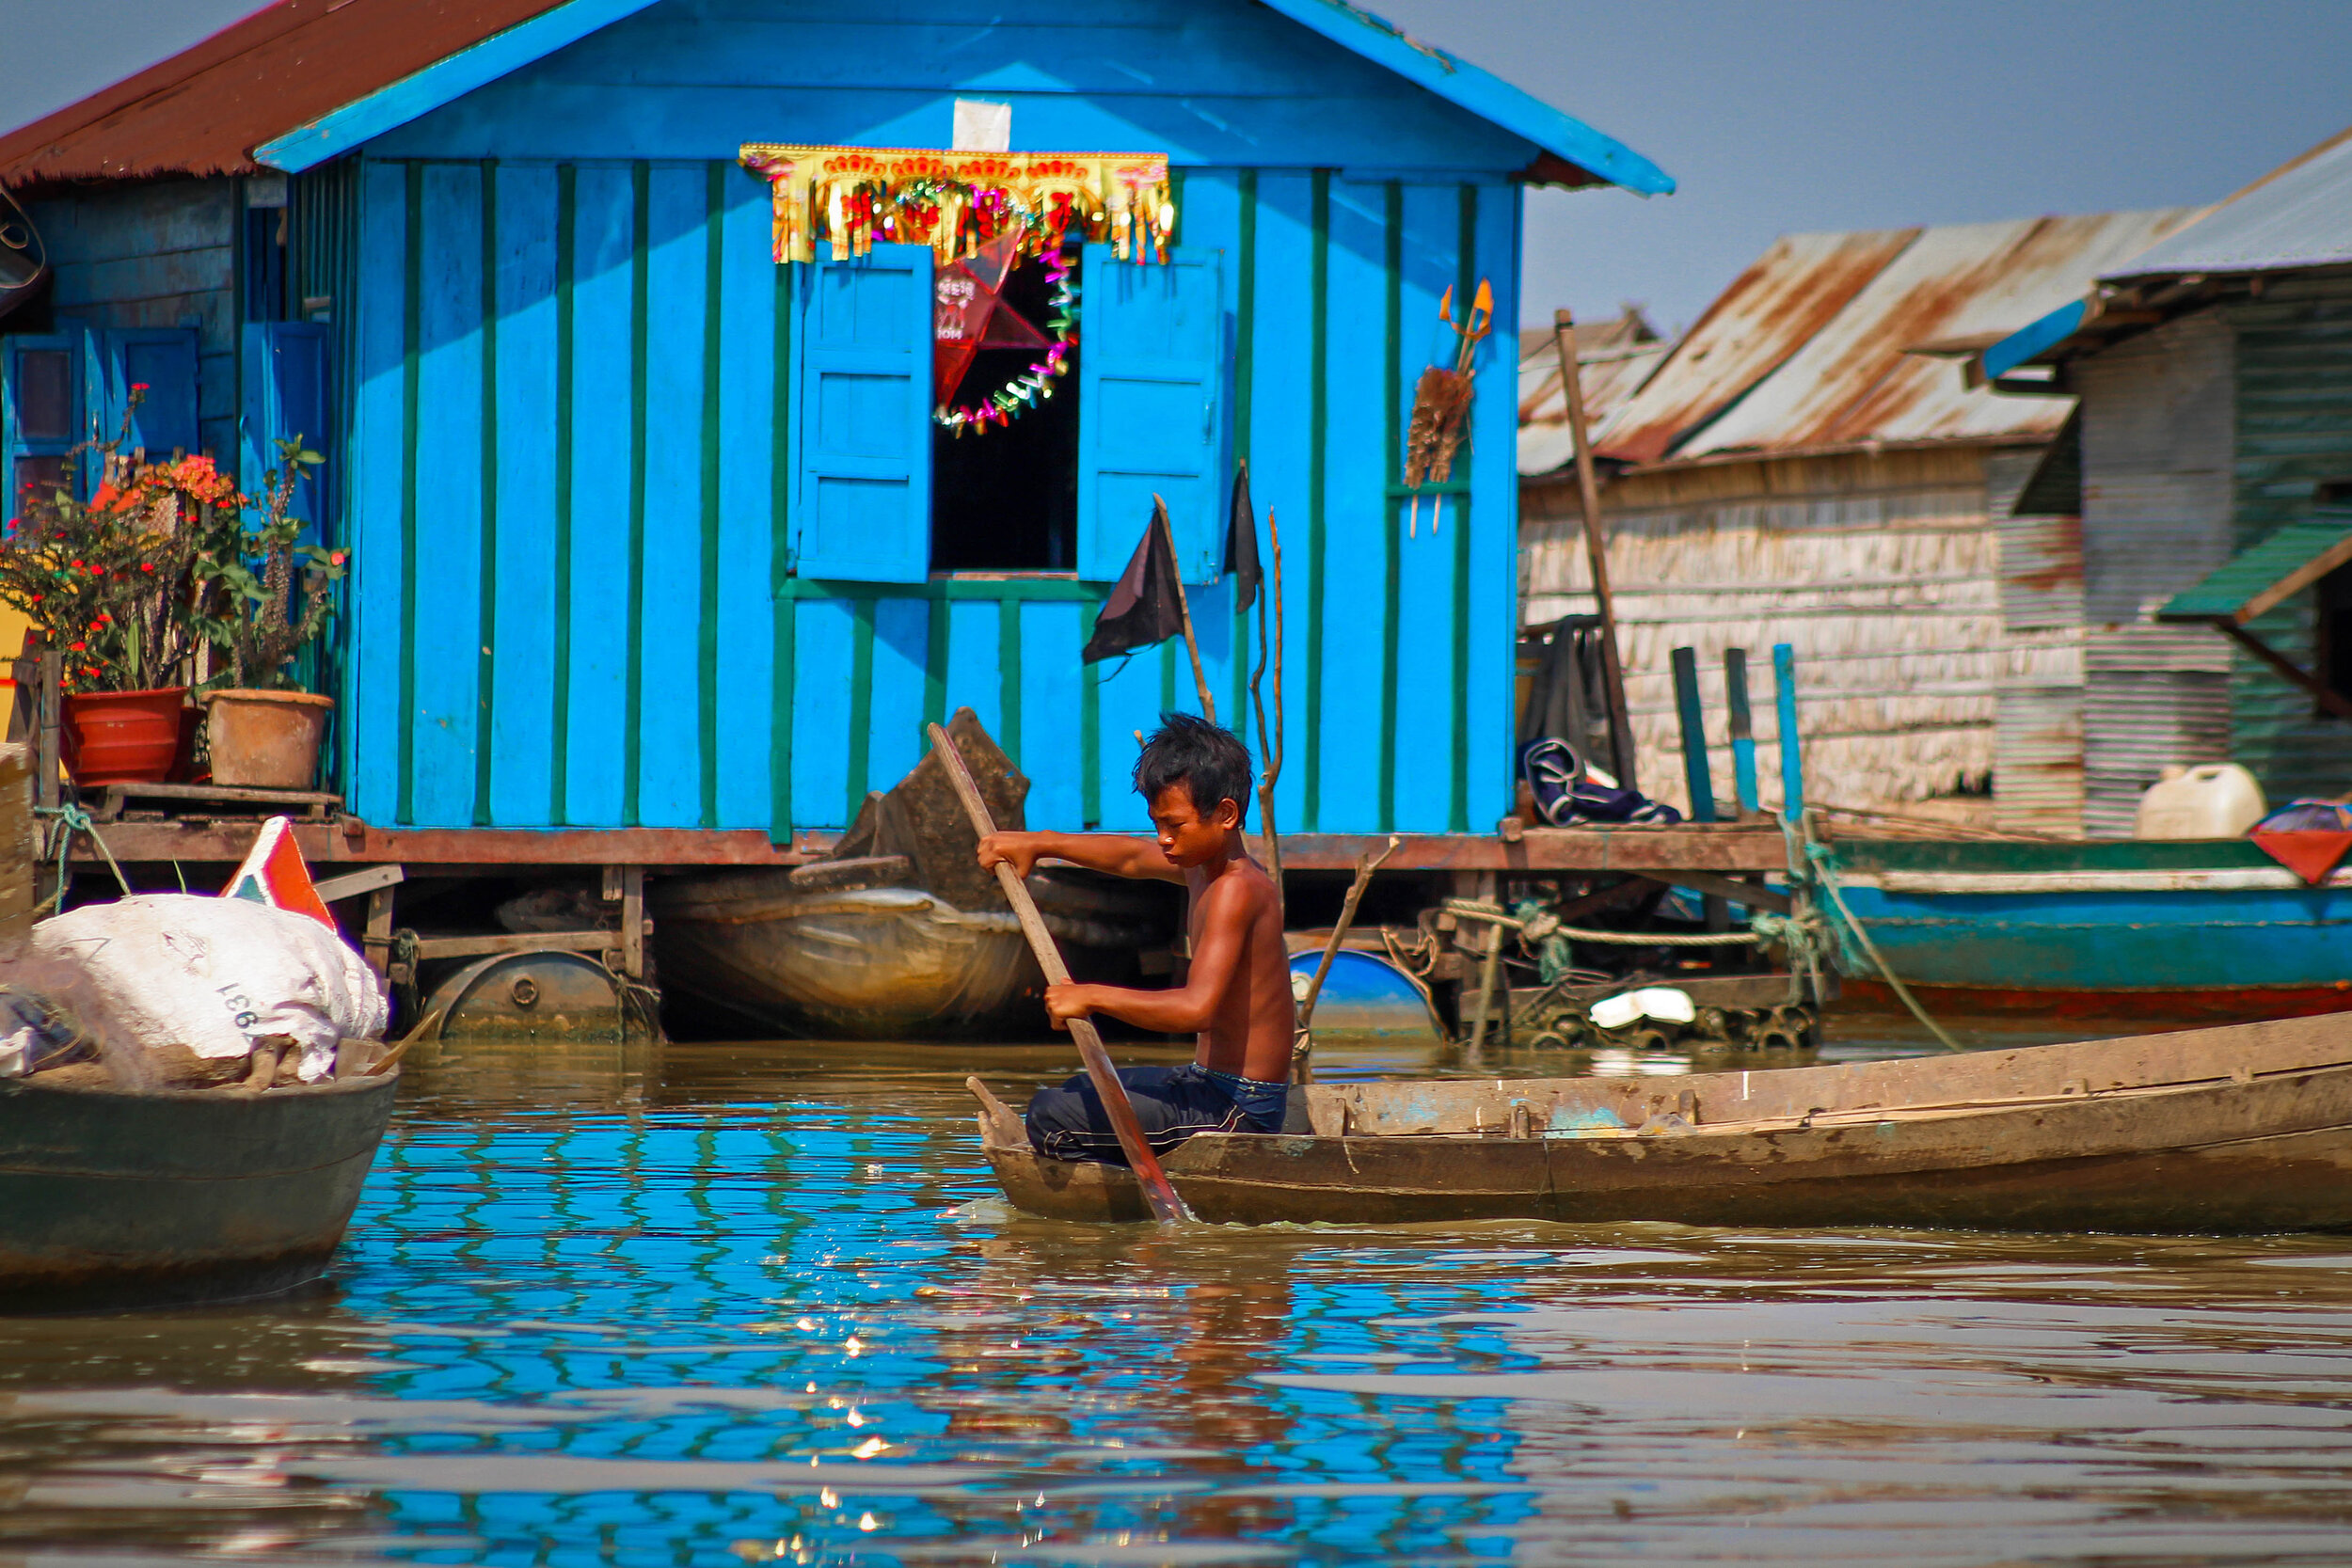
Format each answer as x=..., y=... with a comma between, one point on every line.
x=2314, y=553
x=884, y=490
x=61, y=387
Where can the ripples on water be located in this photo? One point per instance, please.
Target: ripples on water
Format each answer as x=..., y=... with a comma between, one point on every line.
x=711, y=1304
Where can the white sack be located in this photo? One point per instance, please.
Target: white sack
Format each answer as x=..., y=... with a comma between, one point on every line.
x=212, y=974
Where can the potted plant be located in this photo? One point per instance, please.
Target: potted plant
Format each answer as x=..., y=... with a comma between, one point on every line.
x=110, y=582
x=263, y=730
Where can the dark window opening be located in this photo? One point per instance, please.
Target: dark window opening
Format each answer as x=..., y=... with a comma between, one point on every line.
x=1007, y=500
x=44, y=395
x=36, y=477
x=2334, y=633
x=265, y=263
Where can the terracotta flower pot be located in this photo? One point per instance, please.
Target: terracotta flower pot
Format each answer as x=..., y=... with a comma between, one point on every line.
x=266, y=739
x=122, y=737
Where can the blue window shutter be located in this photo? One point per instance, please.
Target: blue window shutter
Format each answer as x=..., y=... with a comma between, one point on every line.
x=1150, y=408
x=285, y=398
x=862, y=417
x=40, y=409
x=161, y=359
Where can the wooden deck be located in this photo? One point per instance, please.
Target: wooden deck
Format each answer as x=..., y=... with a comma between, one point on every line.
x=1719, y=847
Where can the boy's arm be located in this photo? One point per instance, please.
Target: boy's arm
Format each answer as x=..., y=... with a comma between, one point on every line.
x=1120, y=857
x=1225, y=912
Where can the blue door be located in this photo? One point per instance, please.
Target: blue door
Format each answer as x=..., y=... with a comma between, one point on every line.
x=862, y=417
x=286, y=398
x=1152, y=409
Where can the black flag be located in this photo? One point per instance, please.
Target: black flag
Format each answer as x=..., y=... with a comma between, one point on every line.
x=1142, y=607
x=1241, y=541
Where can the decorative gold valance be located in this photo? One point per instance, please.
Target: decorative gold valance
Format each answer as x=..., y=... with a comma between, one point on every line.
x=852, y=198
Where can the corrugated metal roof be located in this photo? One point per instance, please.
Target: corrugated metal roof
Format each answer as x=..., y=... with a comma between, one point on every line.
x=1616, y=357
x=206, y=108
x=1818, y=345
x=2254, y=579
x=1853, y=383
x=1769, y=312
x=2297, y=215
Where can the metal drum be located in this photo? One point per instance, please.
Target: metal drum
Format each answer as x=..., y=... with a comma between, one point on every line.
x=550, y=996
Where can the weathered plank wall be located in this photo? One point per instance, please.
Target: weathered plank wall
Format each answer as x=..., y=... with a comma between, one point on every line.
x=568, y=432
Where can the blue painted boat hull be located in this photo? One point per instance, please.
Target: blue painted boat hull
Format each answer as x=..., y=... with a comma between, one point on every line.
x=1366, y=994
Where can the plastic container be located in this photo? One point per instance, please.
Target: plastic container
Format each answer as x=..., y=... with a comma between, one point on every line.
x=2214, y=800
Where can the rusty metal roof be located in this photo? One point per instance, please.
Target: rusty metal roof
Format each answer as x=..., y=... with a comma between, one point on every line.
x=1834, y=341
x=1614, y=357
x=206, y=108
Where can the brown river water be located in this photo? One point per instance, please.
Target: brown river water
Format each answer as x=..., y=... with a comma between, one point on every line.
x=716, y=1304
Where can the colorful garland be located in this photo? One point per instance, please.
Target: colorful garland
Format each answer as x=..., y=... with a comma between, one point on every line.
x=1022, y=393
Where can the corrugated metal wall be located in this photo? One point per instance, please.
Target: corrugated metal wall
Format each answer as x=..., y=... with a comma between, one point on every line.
x=2157, y=434
x=2038, y=766
x=566, y=433
x=2294, y=434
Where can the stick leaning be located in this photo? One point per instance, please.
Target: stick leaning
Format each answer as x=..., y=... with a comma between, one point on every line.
x=1166, y=1205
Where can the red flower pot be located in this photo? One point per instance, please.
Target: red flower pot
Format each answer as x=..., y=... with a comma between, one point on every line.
x=122, y=737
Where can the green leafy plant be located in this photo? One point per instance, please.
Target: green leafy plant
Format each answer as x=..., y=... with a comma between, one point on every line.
x=251, y=616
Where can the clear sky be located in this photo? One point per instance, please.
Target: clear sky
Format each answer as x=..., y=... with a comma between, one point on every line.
x=1775, y=115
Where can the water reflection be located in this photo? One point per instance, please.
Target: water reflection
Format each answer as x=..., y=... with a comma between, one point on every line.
x=707, y=1303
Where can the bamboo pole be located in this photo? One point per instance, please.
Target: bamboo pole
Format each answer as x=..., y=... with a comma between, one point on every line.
x=1166, y=1205
x=1596, y=551
x=1270, y=753
x=1184, y=613
x=1302, y=1048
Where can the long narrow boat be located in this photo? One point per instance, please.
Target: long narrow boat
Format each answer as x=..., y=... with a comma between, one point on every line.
x=2212, y=930
x=113, y=1198
x=2231, y=1129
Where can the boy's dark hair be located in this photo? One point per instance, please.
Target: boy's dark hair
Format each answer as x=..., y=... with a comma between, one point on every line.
x=1206, y=759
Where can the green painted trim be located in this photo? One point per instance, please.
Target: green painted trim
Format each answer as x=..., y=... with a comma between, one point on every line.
x=1392, y=444
x=782, y=671
x=485, y=690
x=780, y=735
x=1457, y=814
x=935, y=665
x=706, y=641
x=1028, y=589
x=1176, y=200
x=1318, y=414
x=559, y=688
x=1090, y=733
x=411, y=314
x=861, y=701
x=640, y=193
x=1245, y=379
x=1008, y=678
x=1168, y=674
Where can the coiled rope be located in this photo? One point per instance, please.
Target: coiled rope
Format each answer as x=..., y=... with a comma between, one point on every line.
x=1546, y=926
x=70, y=819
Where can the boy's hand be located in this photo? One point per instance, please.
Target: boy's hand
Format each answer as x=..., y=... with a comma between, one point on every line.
x=1065, y=1002
x=1019, y=850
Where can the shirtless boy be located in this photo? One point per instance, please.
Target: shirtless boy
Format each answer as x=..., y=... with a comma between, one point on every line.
x=1194, y=777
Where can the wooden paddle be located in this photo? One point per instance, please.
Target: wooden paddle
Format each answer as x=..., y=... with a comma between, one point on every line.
x=1166, y=1205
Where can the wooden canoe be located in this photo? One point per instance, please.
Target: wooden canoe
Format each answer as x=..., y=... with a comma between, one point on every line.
x=112, y=1198
x=2234, y=1130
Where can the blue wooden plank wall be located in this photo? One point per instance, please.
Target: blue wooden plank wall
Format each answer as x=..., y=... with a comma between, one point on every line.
x=569, y=514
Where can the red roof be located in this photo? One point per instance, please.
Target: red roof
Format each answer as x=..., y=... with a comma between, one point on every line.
x=204, y=110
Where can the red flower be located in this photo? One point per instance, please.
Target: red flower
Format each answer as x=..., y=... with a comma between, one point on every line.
x=78, y=647
x=338, y=558
x=138, y=385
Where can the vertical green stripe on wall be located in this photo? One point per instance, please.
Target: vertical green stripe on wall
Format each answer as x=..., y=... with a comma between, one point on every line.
x=1318, y=412
x=780, y=567
x=706, y=643
x=1091, y=732
x=1168, y=674
x=560, y=694
x=1458, y=817
x=1391, y=549
x=934, y=668
x=1245, y=378
x=411, y=307
x=1009, y=677
x=861, y=700
x=484, y=688
x=641, y=193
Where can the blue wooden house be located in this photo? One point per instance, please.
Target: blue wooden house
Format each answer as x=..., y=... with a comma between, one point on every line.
x=652, y=530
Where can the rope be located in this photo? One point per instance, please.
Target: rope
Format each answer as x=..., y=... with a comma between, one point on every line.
x=1545, y=926
x=1817, y=860
x=71, y=819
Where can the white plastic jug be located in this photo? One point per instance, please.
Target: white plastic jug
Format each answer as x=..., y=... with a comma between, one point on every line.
x=2214, y=800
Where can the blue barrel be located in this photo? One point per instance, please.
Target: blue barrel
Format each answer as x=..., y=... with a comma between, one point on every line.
x=1365, y=994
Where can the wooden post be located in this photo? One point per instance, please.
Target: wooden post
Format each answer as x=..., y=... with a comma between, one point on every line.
x=1270, y=751
x=1596, y=552
x=1166, y=1205
x=377, y=943
x=633, y=922
x=1791, y=749
x=1694, y=770
x=46, y=748
x=1742, y=732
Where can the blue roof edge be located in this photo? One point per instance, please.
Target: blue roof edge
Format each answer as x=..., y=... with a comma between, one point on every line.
x=1482, y=94
x=2029, y=342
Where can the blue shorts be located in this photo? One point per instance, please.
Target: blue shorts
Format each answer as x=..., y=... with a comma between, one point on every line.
x=1172, y=1104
